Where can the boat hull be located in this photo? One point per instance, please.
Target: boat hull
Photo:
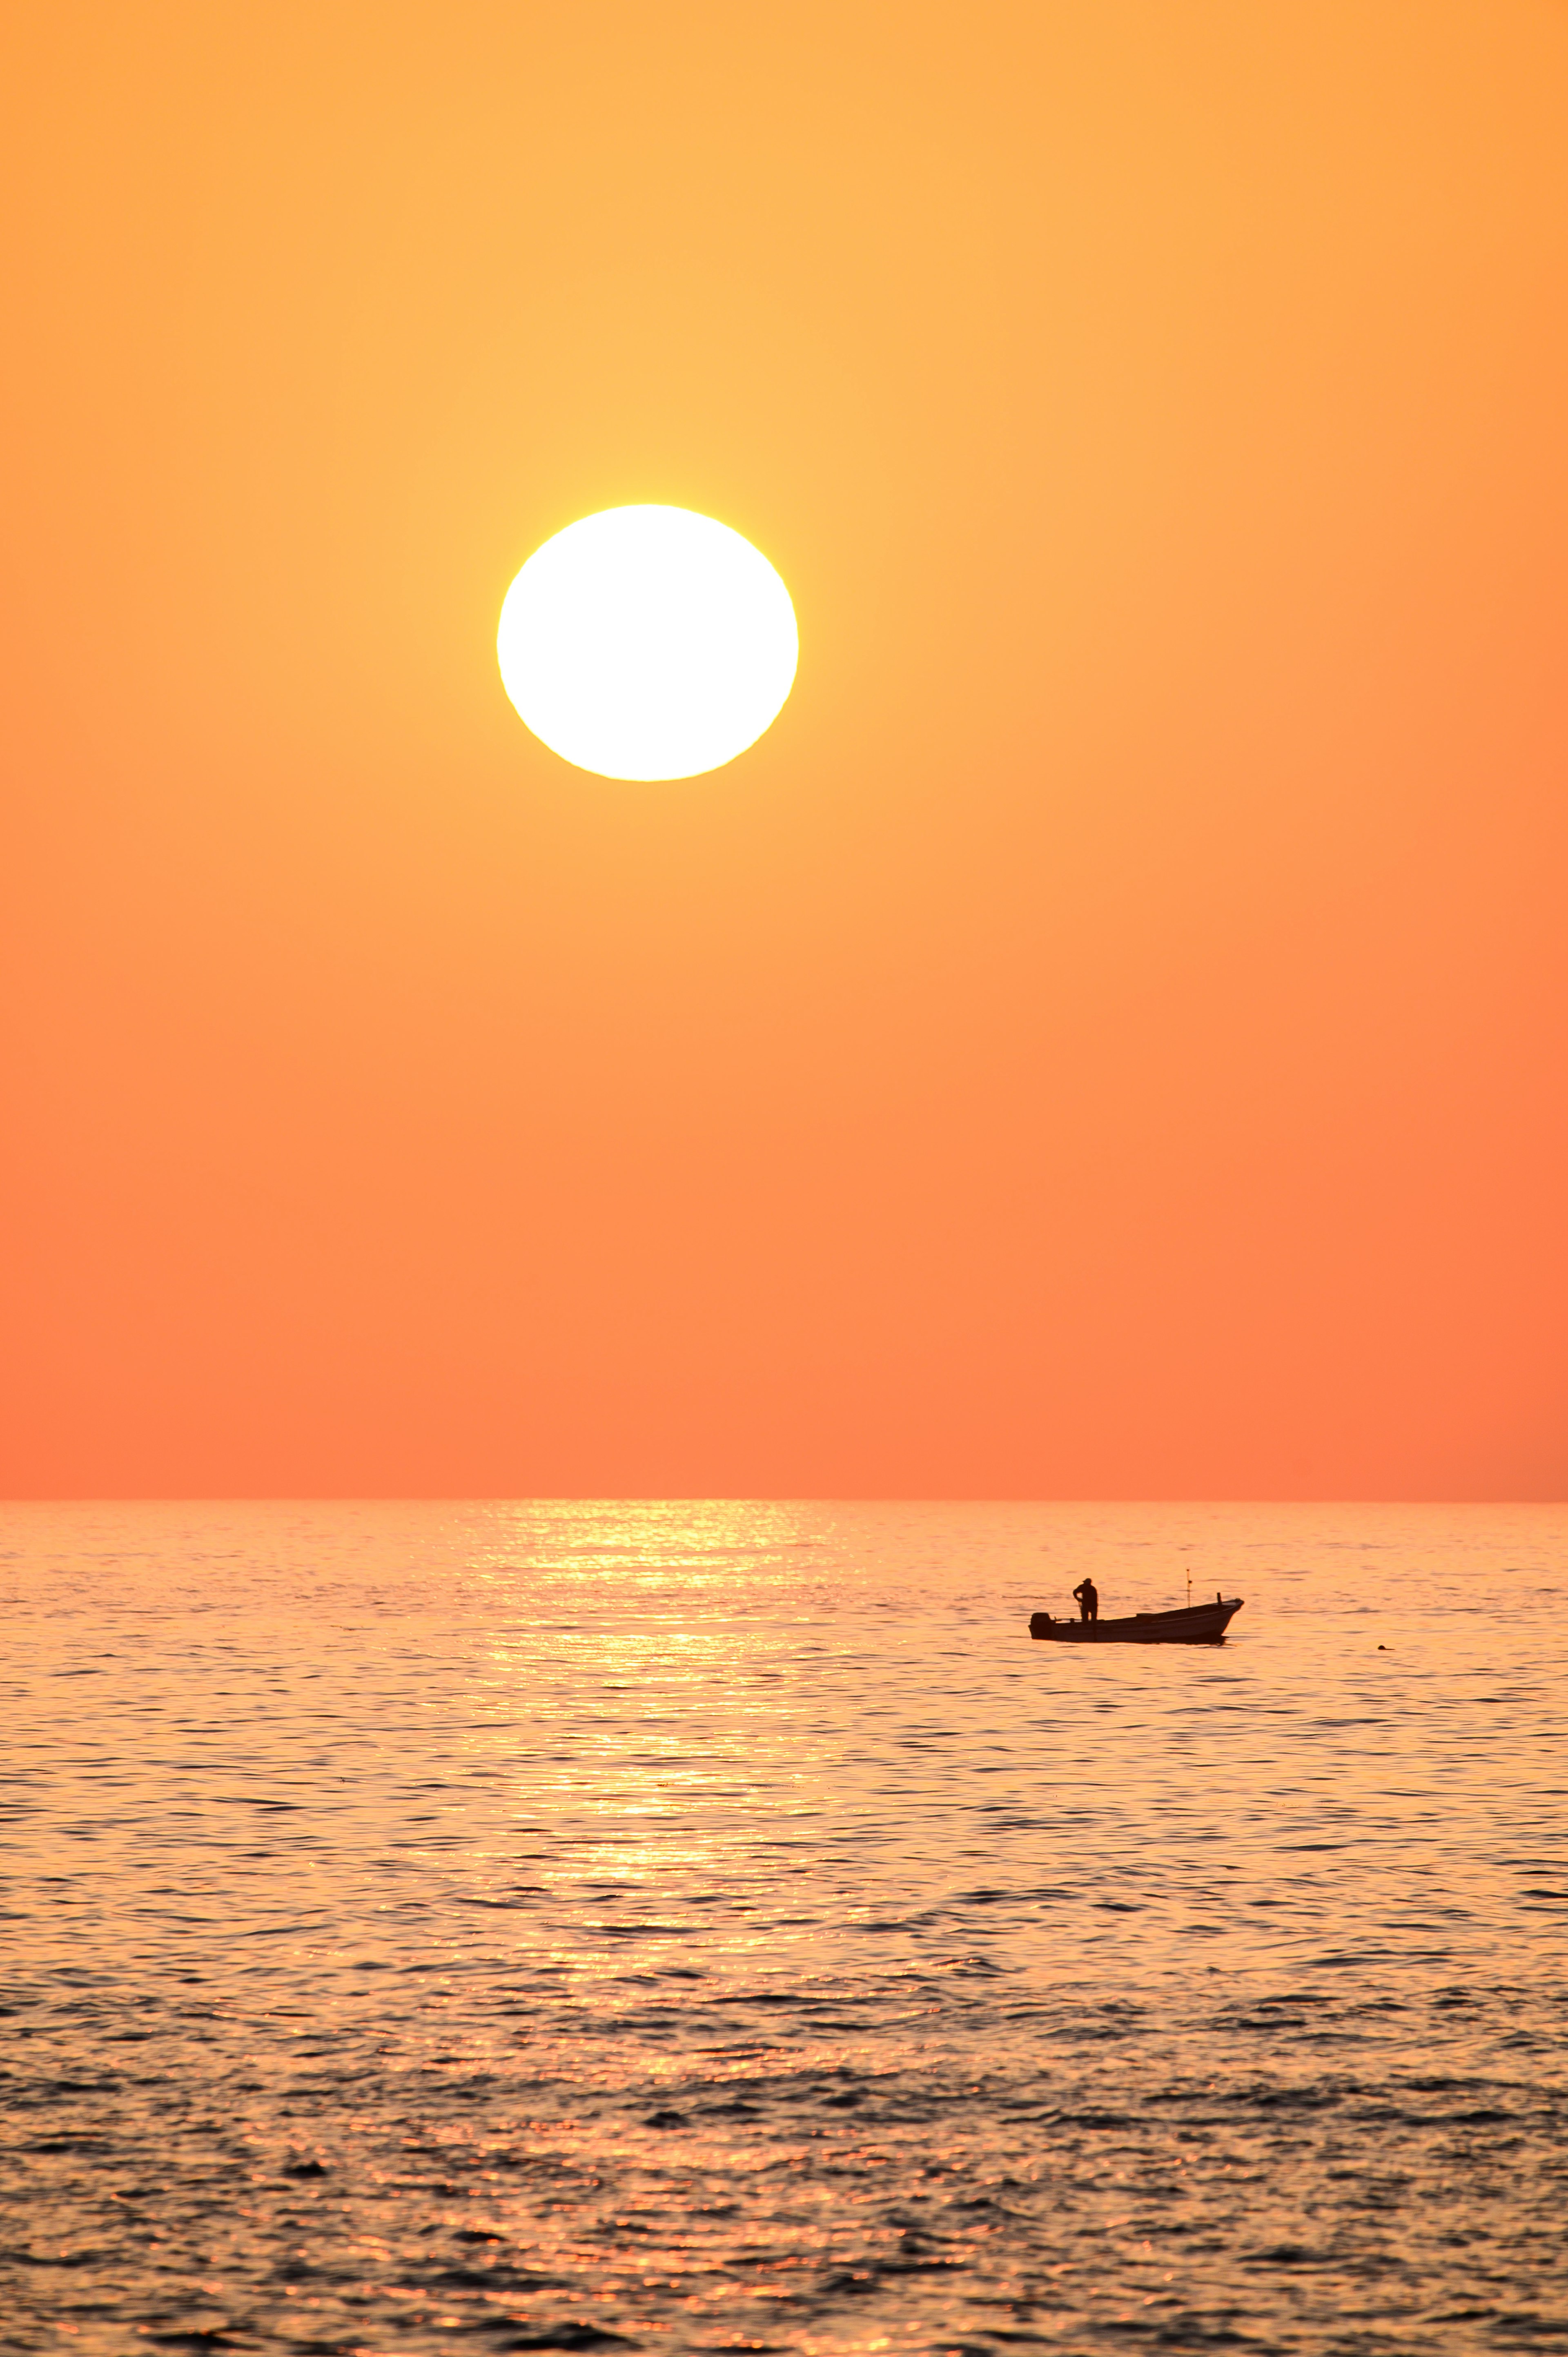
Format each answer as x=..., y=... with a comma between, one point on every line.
x=1194, y=1624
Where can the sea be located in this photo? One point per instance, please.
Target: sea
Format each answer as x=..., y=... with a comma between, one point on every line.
x=717, y=1926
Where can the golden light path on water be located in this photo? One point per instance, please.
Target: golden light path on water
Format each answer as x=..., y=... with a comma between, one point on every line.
x=718, y=1926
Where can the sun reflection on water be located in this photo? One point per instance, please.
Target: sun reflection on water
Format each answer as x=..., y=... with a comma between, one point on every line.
x=719, y=1925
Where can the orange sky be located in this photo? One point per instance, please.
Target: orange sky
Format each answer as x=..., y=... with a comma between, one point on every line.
x=1109, y=1038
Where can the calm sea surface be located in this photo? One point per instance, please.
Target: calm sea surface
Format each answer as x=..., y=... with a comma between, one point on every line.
x=717, y=1926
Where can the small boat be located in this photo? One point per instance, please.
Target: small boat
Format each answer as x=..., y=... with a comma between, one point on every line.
x=1191, y=1624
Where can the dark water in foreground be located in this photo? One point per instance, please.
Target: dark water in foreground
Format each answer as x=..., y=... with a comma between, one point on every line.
x=717, y=1926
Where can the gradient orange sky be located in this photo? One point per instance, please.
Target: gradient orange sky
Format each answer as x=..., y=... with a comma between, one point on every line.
x=1110, y=1038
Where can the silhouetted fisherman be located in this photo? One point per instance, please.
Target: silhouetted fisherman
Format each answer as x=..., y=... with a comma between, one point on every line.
x=1087, y=1598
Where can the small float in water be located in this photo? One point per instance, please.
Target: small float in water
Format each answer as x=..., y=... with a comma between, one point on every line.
x=1189, y=1624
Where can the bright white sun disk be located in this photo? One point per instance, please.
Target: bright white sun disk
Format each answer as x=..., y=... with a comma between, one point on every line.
x=648, y=642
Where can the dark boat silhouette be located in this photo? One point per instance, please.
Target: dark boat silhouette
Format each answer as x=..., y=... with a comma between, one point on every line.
x=1191, y=1624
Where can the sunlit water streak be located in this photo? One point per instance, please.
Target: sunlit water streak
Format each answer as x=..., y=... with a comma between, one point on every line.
x=718, y=1927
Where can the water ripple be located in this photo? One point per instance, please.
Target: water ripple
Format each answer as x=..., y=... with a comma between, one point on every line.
x=718, y=1927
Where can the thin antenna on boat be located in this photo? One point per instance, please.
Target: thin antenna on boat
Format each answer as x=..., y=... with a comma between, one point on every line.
x=1189, y=1586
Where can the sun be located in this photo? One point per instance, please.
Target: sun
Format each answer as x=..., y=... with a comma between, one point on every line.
x=648, y=642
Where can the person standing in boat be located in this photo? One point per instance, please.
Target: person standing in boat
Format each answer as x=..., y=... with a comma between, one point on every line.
x=1087, y=1598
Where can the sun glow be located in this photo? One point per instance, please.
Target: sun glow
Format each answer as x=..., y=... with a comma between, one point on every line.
x=648, y=642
